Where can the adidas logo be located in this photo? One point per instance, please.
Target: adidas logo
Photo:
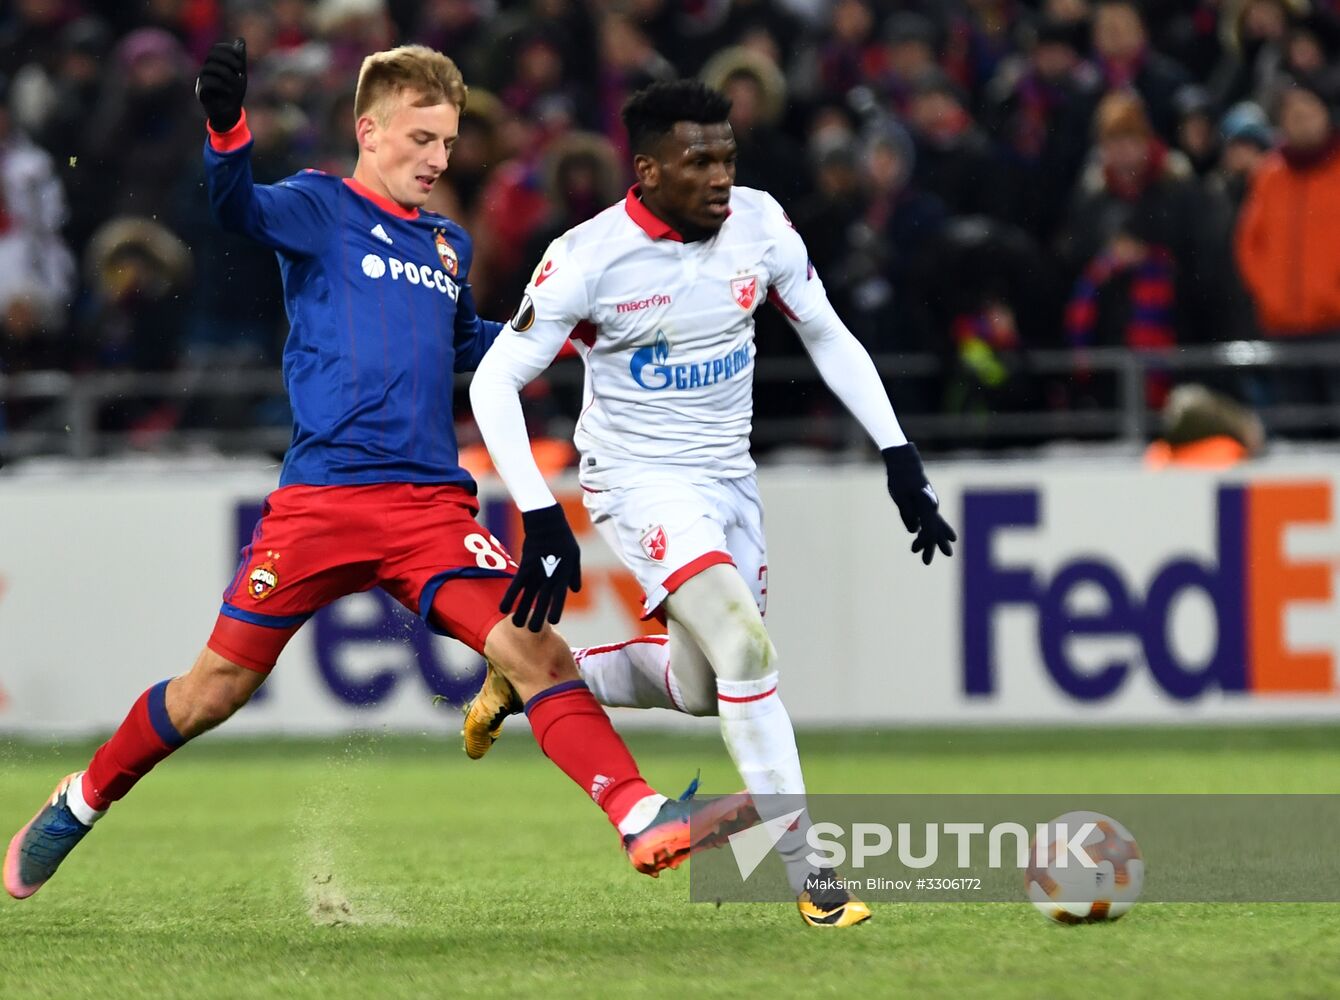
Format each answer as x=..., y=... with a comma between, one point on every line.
x=931, y=493
x=550, y=563
x=379, y=232
x=598, y=786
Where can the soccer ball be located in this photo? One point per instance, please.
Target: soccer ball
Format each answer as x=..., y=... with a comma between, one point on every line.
x=1074, y=893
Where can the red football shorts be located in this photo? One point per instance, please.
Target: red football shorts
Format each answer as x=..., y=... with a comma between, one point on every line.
x=315, y=544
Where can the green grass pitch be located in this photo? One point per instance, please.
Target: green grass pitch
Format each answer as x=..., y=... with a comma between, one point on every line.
x=394, y=867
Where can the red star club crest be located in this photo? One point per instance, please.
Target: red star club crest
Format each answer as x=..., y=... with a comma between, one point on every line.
x=654, y=543
x=745, y=290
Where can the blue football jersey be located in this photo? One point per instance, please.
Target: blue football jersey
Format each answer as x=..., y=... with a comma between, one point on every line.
x=380, y=319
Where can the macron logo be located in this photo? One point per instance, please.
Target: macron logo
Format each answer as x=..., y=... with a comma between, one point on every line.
x=379, y=232
x=751, y=846
x=550, y=563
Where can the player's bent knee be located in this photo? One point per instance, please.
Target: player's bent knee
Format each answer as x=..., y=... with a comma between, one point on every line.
x=699, y=703
x=748, y=654
x=532, y=661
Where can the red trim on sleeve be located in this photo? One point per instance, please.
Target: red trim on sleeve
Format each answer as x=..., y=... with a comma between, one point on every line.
x=381, y=201
x=779, y=303
x=750, y=697
x=691, y=569
x=235, y=138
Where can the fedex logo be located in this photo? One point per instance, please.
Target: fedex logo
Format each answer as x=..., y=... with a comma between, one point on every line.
x=1251, y=583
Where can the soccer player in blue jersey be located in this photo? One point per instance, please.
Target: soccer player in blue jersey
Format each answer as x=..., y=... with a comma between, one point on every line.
x=371, y=493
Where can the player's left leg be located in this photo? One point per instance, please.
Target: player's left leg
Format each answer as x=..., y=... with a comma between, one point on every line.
x=649, y=671
x=161, y=721
x=717, y=611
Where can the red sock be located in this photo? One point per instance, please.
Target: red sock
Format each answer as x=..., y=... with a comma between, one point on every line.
x=145, y=737
x=575, y=733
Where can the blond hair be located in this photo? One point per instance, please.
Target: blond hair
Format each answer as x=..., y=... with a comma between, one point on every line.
x=427, y=72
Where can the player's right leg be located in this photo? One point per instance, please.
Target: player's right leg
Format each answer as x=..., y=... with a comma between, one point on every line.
x=163, y=719
x=719, y=614
x=574, y=732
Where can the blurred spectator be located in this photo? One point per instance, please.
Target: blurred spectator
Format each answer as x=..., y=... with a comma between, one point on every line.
x=955, y=159
x=538, y=83
x=476, y=153
x=36, y=267
x=1286, y=239
x=149, y=96
x=904, y=222
x=831, y=222
x=987, y=291
x=1246, y=140
x=850, y=56
x=582, y=176
x=1038, y=108
x=1133, y=172
x=628, y=63
x=1191, y=37
x=352, y=29
x=1203, y=429
x=137, y=271
x=1255, y=35
x=979, y=35
x=1197, y=137
x=29, y=341
x=910, y=45
x=768, y=158
x=29, y=29
x=1121, y=47
x=1126, y=296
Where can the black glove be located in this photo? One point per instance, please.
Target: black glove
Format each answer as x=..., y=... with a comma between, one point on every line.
x=551, y=564
x=222, y=83
x=917, y=503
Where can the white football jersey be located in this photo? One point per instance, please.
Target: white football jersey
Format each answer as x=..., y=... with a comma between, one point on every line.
x=667, y=333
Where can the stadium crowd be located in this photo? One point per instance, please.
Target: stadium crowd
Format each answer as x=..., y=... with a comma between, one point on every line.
x=974, y=178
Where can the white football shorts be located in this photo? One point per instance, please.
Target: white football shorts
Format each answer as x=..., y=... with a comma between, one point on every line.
x=669, y=531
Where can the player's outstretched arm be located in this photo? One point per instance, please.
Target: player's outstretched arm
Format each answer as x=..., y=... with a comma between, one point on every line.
x=285, y=216
x=550, y=563
x=848, y=370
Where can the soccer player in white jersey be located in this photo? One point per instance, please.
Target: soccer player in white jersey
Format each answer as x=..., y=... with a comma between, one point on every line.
x=667, y=284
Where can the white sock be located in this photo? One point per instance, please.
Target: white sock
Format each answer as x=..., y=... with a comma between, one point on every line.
x=74, y=798
x=643, y=812
x=631, y=674
x=762, y=742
